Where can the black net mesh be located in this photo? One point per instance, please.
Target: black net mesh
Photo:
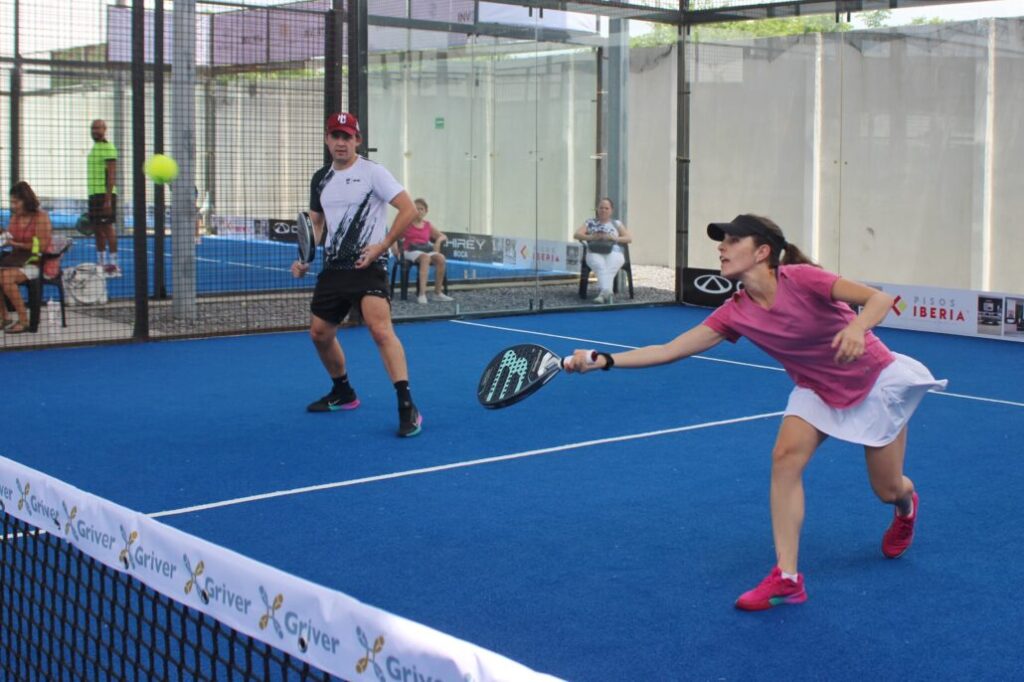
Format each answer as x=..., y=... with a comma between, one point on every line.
x=66, y=616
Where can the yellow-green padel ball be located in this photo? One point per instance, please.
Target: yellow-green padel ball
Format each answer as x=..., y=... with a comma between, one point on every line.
x=161, y=169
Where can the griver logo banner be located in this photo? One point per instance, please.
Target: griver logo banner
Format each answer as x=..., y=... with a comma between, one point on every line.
x=306, y=621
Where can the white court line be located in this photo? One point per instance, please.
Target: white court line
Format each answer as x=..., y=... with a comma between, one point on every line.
x=978, y=398
x=458, y=465
x=962, y=396
x=608, y=343
x=256, y=267
x=220, y=261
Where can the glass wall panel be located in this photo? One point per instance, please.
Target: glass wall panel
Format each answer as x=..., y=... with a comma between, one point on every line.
x=913, y=153
x=498, y=130
x=888, y=155
x=754, y=121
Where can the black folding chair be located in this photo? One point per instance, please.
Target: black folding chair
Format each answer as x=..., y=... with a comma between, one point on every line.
x=404, y=268
x=50, y=274
x=585, y=272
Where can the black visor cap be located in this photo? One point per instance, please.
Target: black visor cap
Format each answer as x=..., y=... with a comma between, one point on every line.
x=742, y=226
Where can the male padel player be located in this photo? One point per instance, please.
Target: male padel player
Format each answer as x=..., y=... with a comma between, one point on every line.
x=350, y=195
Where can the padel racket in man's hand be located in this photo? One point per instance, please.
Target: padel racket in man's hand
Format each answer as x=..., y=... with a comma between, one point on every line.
x=517, y=373
x=306, y=237
x=84, y=225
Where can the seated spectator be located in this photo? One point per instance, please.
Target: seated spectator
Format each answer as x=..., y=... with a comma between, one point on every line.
x=421, y=244
x=602, y=236
x=29, y=236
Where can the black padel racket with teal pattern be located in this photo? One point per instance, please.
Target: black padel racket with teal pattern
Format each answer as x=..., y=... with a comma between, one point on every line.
x=517, y=373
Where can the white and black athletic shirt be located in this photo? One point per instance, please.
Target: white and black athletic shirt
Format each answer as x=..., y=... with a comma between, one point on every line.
x=354, y=203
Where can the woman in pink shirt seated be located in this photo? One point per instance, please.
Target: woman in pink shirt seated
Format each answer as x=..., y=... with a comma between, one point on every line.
x=28, y=236
x=848, y=384
x=421, y=244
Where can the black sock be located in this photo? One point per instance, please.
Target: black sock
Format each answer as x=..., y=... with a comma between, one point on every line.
x=341, y=384
x=404, y=396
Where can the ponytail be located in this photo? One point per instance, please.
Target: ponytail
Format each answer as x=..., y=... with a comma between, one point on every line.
x=793, y=256
x=783, y=252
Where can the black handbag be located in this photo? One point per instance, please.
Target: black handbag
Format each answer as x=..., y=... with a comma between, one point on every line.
x=16, y=258
x=601, y=246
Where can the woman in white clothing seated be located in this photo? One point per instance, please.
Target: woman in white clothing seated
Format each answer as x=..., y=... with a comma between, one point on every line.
x=603, y=236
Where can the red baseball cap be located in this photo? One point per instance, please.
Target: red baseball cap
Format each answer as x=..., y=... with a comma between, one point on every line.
x=345, y=122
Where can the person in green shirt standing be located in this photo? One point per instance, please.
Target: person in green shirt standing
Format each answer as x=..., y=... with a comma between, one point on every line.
x=101, y=166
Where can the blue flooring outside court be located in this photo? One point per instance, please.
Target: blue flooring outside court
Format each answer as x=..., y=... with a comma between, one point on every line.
x=226, y=265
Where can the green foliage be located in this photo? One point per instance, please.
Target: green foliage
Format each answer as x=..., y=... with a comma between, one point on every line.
x=876, y=19
x=663, y=34
x=765, y=28
x=762, y=28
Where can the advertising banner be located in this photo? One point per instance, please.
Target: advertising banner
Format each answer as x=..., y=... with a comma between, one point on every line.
x=963, y=312
x=956, y=311
x=324, y=627
x=707, y=287
x=473, y=248
x=238, y=227
x=277, y=230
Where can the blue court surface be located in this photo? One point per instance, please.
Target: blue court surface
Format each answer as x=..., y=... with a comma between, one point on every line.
x=226, y=266
x=599, y=530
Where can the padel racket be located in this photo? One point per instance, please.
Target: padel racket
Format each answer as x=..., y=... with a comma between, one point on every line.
x=306, y=237
x=517, y=373
x=84, y=225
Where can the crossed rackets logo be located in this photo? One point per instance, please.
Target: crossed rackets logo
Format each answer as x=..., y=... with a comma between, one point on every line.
x=193, y=579
x=23, y=501
x=517, y=367
x=270, y=616
x=69, y=525
x=371, y=654
x=125, y=556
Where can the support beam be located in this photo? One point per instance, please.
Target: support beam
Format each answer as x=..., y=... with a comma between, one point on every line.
x=141, y=328
x=183, y=144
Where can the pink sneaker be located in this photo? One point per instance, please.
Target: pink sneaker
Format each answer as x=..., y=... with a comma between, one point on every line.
x=897, y=539
x=772, y=591
x=111, y=270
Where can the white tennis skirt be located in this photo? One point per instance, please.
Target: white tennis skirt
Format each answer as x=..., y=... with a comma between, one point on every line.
x=879, y=418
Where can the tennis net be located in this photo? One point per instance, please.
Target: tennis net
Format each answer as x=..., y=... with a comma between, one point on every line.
x=90, y=590
x=65, y=615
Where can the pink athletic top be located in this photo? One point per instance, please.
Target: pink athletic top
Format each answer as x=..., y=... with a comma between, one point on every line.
x=417, y=235
x=24, y=228
x=798, y=330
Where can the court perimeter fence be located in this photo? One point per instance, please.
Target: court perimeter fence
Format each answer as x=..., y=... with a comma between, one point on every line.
x=888, y=154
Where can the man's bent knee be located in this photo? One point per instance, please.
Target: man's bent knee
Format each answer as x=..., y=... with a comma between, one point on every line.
x=382, y=332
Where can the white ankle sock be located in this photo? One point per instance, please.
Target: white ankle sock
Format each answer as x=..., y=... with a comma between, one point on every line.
x=794, y=577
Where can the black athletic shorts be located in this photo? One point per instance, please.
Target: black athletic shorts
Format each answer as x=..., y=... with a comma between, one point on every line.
x=338, y=290
x=97, y=216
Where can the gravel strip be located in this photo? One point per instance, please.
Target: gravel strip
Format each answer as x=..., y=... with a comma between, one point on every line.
x=273, y=311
